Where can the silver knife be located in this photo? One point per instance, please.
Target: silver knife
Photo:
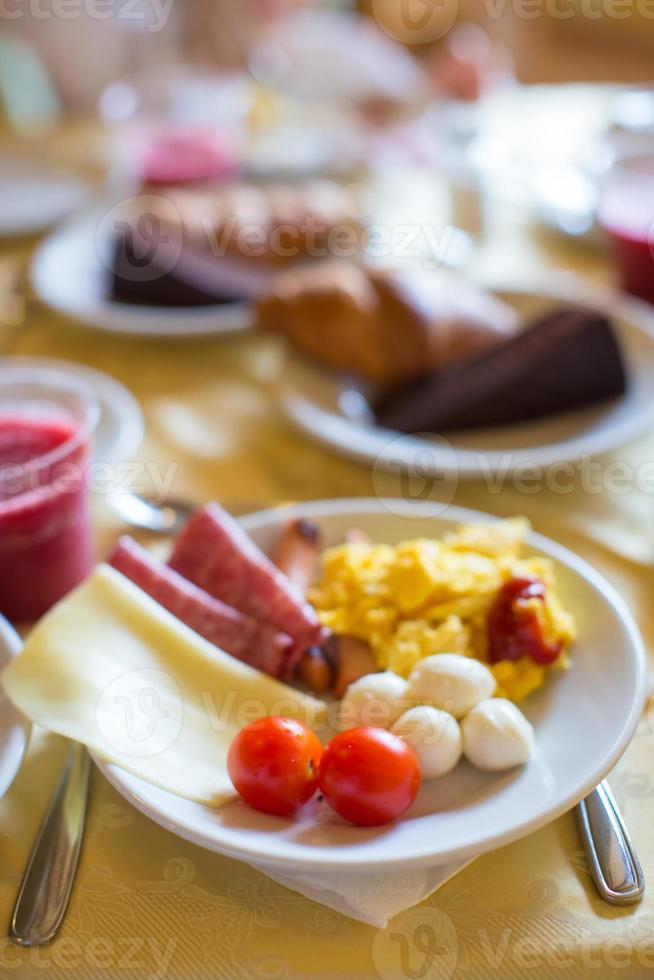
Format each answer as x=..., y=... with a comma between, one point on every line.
x=48, y=880
x=613, y=861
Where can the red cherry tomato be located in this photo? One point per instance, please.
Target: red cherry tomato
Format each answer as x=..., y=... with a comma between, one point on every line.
x=369, y=776
x=274, y=763
x=514, y=627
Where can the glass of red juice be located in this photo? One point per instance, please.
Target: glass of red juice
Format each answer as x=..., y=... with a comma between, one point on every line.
x=47, y=421
x=626, y=212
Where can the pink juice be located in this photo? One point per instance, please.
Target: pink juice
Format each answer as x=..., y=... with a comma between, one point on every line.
x=45, y=529
x=627, y=215
x=184, y=155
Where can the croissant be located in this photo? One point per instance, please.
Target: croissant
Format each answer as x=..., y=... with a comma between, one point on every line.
x=386, y=327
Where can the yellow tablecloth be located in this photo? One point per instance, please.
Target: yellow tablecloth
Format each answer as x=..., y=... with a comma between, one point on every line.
x=147, y=904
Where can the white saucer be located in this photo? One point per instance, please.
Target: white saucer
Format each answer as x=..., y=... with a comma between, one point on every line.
x=70, y=272
x=584, y=719
x=326, y=407
x=121, y=426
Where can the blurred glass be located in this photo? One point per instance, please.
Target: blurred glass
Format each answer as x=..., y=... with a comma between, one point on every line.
x=626, y=212
x=180, y=125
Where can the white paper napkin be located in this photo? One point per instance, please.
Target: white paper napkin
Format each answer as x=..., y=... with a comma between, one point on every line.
x=373, y=898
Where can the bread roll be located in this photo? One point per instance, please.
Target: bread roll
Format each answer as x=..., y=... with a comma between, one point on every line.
x=385, y=327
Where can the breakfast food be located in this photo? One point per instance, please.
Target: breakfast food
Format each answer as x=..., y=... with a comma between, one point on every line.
x=273, y=763
x=451, y=682
x=434, y=736
x=186, y=275
x=461, y=618
x=369, y=776
x=296, y=555
x=423, y=597
x=386, y=327
x=515, y=623
x=275, y=224
x=196, y=246
x=353, y=659
x=216, y=554
x=442, y=691
x=110, y=667
x=254, y=642
x=297, y=552
x=530, y=375
x=496, y=735
x=376, y=699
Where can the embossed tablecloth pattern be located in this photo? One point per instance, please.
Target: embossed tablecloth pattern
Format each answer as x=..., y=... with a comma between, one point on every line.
x=147, y=904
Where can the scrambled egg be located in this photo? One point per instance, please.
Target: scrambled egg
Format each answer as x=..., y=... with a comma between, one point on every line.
x=433, y=596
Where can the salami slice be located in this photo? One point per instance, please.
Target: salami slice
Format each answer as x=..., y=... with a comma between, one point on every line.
x=215, y=553
x=258, y=644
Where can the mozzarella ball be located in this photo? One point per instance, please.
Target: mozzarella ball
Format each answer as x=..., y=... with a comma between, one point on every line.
x=451, y=682
x=434, y=736
x=496, y=735
x=375, y=699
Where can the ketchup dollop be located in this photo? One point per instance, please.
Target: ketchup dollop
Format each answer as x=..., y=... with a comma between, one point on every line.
x=514, y=627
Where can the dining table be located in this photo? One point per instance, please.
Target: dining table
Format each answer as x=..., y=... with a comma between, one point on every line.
x=147, y=903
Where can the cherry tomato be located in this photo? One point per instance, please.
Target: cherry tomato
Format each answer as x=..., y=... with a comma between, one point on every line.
x=514, y=627
x=369, y=776
x=273, y=764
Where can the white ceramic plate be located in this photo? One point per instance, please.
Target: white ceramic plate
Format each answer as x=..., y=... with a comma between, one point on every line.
x=584, y=719
x=120, y=427
x=33, y=196
x=326, y=407
x=70, y=272
x=14, y=728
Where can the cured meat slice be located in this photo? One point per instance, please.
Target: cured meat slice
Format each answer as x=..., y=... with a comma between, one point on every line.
x=215, y=553
x=258, y=644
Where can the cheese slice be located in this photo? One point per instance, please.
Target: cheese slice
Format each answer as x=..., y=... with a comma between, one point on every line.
x=110, y=667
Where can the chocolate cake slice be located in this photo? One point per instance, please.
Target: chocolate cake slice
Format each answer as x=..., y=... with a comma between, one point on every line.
x=566, y=359
x=170, y=275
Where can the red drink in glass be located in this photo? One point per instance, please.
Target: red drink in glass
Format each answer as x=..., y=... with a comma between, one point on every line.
x=46, y=545
x=627, y=214
x=183, y=155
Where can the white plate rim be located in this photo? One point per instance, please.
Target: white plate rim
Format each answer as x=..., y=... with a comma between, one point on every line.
x=24, y=163
x=128, y=319
x=124, y=783
x=471, y=464
x=19, y=729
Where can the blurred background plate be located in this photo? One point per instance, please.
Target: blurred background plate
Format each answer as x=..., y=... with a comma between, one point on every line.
x=34, y=195
x=70, y=272
x=333, y=410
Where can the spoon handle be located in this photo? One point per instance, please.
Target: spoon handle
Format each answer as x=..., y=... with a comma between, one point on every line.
x=613, y=861
x=48, y=879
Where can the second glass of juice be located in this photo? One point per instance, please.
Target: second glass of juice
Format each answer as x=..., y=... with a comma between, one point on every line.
x=626, y=213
